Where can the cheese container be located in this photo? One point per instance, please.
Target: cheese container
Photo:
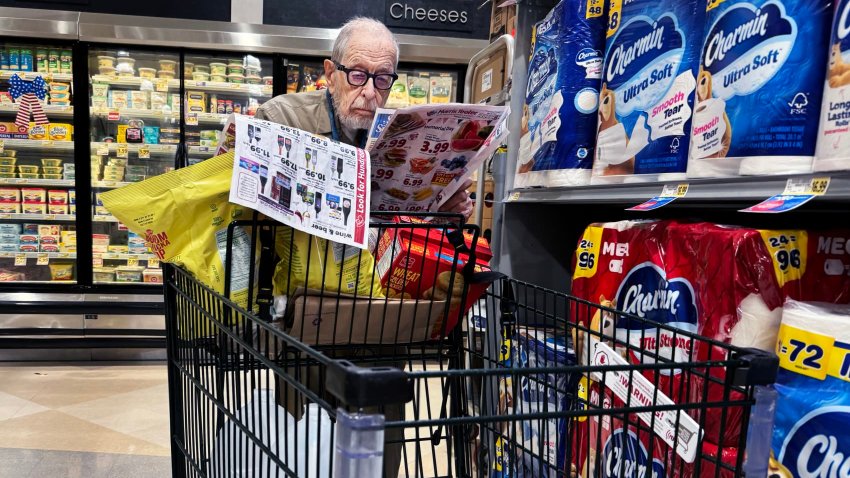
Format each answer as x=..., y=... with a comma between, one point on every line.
x=33, y=195
x=10, y=194
x=34, y=208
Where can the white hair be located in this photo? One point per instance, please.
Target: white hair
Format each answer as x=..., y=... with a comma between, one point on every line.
x=359, y=24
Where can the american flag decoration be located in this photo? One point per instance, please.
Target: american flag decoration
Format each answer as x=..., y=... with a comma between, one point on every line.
x=28, y=95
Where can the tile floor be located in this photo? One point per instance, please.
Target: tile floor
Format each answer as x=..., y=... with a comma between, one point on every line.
x=90, y=420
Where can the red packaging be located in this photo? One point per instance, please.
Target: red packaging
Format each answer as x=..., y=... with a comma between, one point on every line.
x=811, y=266
x=417, y=263
x=698, y=277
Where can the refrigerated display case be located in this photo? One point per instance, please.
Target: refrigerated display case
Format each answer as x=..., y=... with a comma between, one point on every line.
x=135, y=133
x=125, y=91
x=217, y=85
x=37, y=180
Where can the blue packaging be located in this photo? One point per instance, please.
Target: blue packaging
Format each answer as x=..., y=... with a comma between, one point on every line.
x=760, y=87
x=543, y=393
x=10, y=229
x=833, y=149
x=4, y=59
x=811, y=434
x=559, y=117
x=648, y=82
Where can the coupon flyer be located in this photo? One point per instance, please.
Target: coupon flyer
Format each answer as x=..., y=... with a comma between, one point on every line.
x=302, y=180
x=421, y=155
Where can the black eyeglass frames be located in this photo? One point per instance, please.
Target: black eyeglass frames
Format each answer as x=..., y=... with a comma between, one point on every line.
x=382, y=81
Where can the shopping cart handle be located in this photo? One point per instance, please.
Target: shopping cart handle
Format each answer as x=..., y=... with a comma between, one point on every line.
x=368, y=387
x=760, y=368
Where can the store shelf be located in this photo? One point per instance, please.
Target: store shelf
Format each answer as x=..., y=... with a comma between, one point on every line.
x=195, y=150
x=38, y=217
x=728, y=190
x=35, y=255
x=134, y=147
x=36, y=182
x=31, y=75
x=135, y=113
x=131, y=81
x=234, y=88
x=104, y=218
x=108, y=184
x=124, y=257
x=38, y=144
x=213, y=118
x=42, y=282
x=53, y=111
x=128, y=283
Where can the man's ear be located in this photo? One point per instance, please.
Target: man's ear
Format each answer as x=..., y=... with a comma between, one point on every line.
x=330, y=68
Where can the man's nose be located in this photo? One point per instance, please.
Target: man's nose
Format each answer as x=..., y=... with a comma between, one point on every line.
x=369, y=90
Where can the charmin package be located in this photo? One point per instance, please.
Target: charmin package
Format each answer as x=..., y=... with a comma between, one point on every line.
x=712, y=280
x=833, y=147
x=559, y=121
x=647, y=96
x=765, y=56
x=811, y=435
x=547, y=440
x=184, y=216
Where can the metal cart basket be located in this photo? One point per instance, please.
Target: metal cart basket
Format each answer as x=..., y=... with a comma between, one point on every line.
x=345, y=380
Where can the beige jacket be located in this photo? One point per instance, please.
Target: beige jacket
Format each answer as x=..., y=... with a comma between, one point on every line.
x=307, y=111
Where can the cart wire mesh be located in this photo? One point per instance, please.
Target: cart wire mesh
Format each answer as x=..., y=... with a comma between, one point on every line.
x=508, y=382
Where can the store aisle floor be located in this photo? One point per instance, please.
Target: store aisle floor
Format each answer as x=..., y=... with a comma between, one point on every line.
x=92, y=420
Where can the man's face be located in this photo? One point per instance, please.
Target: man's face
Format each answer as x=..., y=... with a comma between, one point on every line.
x=355, y=105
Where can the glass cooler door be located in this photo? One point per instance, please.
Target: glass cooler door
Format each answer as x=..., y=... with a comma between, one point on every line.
x=38, y=241
x=304, y=76
x=135, y=134
x=217, y=85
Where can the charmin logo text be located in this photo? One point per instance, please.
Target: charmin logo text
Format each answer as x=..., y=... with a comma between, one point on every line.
x=816, y=446
x=624, y=456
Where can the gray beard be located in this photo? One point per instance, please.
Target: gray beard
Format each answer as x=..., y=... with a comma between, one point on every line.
x=352, y=122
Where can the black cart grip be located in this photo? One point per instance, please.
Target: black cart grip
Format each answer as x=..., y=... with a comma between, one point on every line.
x=760, y=368
x=368, y=387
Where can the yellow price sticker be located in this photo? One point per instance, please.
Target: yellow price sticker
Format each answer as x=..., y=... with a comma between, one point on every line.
x=144, y=152
x=514, y=196
x=820, y=185
x=97, y=260
x=153, y=263
x=21, y=259
x=191, y=119
x=674, y=190
x=122, y=151
x=162, y=84
x=103, y=150
x=42, y=259
x=132, y=261
x=803, y=351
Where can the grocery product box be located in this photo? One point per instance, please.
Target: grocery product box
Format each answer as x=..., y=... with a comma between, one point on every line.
x=48, y=248
x=36, y=195
x=59, y=209
x=153, y=276
x=117, y=249
x=57, y=196
x=49, y=230
x=28, y=248
x=28, y=239
x=30, y=228
x=9, y=238
x=10, y=208
x=417, y=263
x=34, y=208
x=48, y=239
x=8, y=247
x=10, y=194
x=10, y=130
x=100, y=239
x=10, y=228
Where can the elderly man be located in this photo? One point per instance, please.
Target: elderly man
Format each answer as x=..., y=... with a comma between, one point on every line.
x=360, y=73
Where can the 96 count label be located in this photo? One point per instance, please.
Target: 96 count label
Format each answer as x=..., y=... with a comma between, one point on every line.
x=788, y=249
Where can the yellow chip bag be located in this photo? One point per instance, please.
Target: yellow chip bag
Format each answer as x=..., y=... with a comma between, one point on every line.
x=183, y=216
x=329, y=266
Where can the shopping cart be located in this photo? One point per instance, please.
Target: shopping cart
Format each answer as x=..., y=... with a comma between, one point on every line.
x=527, y=384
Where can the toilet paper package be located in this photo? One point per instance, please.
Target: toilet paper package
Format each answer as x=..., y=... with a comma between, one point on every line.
x=559, y=120
x=833, y=147
x=701, y=278
x=545, y=439
x=811, y=435
x=647, y=96
x=759, y=87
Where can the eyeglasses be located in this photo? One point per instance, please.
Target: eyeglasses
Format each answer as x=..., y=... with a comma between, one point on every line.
x=382, y=81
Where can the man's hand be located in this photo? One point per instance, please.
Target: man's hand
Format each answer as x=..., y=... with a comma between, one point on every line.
x=460, y=203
